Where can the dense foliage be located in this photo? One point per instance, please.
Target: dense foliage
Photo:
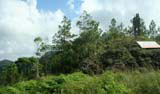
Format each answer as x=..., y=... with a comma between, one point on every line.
x=78, y=83
x=92, y=52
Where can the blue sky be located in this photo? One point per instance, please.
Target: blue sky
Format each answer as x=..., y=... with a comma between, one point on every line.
x=53, y=5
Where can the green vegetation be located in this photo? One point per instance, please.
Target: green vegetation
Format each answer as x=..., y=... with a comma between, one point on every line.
x=92, y=52
x=78, y=83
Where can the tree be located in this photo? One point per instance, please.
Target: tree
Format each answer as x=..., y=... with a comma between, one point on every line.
x=62, y=38
x=62, y=42
x=41, y=49
x=113, y=26
x=152, y=29
x=138, y=26
x=114, y=32
x=90, y=34
x=120, y=27
x=27, y=67
x=157, y=38
x=9, y=75
x=88, y=44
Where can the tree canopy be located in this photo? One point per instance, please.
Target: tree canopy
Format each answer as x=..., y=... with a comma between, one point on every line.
x=92, y=51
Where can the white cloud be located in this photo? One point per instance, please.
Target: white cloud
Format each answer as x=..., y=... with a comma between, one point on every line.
x=70, y=3
x=122, y=10
x=20, y=23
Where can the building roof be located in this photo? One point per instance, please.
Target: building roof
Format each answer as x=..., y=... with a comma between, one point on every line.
x=148, y=44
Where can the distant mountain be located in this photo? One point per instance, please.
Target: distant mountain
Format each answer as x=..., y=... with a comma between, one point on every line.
x=5, y=63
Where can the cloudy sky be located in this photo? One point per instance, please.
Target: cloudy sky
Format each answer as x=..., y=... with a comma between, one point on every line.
x=22, y=20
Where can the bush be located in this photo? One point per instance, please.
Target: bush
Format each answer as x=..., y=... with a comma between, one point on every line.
x=78, y=83
x=110, y=85
x=148, y=84
x=121, y=57
x=91, y=66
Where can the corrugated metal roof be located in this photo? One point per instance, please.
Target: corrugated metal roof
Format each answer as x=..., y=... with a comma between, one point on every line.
x=148, y=44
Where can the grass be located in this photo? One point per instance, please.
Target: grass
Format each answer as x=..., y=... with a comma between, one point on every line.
x=134, y=82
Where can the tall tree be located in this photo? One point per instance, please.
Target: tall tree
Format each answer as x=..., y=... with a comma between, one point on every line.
x=88, y=44
x=138, y=26
x=63, y=36
x=152, y=29
x=115, y=31
x=62, y=42
x=89, y=33
x=113, y=26
x=41, y=49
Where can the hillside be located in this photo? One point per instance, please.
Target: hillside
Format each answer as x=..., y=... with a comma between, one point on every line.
x=5, y=63
x=109, y=62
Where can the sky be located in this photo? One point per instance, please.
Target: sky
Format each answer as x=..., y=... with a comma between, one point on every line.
x=23, y=20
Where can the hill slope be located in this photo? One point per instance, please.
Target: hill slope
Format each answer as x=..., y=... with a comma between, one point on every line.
x=5, y=63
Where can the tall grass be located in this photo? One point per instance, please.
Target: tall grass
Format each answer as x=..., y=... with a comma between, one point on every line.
x=134, y=82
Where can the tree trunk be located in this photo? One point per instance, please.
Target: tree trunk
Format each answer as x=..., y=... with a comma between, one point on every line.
x=37, y=69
